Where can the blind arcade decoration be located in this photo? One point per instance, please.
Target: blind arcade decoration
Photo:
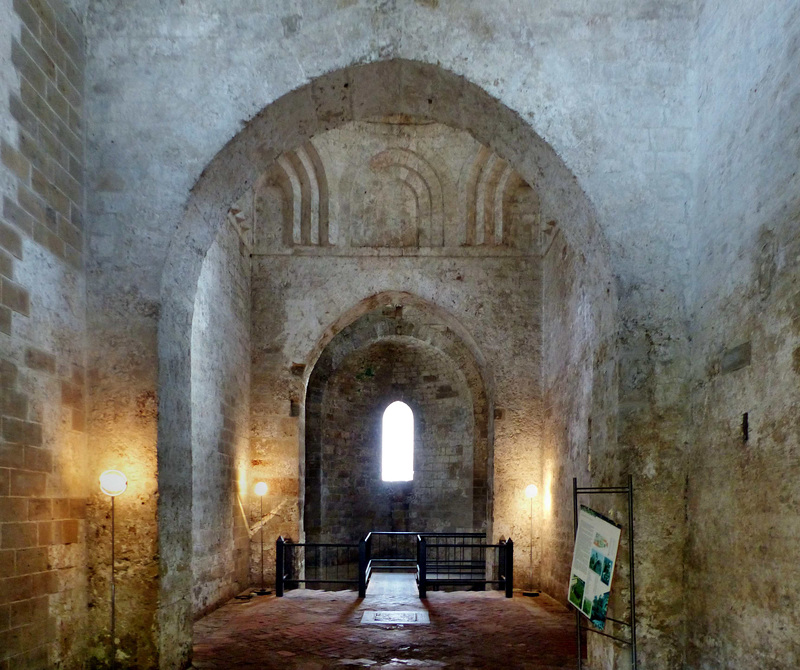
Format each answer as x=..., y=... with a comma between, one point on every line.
x=593, y=560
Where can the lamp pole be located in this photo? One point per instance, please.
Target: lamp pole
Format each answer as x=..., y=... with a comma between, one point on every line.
x=113, y=593
x=531, y=544
x=261, y=489
x=530, y=492
x=113, y=483
x=261, y=521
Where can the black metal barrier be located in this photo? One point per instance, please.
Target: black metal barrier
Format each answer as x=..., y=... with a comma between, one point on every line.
x=462, y=559
x=320, y=564
x=440, y=559
x=391, y=550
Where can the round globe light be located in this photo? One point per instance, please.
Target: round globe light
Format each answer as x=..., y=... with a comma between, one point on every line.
x=113, y=482
x=531, y=491
x=261, y=488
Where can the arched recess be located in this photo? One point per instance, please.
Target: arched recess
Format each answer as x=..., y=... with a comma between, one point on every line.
x=357, y=92
x=404, y=349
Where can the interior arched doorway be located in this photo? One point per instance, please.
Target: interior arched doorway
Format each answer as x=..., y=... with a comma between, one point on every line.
x=360, y=92
x=402, y=350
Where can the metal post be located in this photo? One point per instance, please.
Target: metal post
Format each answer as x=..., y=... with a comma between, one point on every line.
x=575, y=523
x=113, y=594
x=261, y=522
x=263, y=590
x=362, y=568
x=631, y=571
x=509, y=567
x=422, y=566
x=279, y=567
x=532, y=585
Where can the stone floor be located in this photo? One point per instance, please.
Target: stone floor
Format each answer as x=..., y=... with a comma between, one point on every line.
x=312, y=630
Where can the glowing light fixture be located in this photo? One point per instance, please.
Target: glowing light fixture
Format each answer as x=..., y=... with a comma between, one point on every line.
x=261, y=490
x=531, y=491
x=113, y=483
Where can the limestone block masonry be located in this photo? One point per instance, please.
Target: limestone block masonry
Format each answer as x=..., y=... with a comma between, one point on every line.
x=43, y=483
x=221, y=422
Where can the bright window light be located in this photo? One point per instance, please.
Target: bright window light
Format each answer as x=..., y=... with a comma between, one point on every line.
x=397, y=443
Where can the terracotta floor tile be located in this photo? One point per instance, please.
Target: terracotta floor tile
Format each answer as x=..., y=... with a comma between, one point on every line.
x=318, y=630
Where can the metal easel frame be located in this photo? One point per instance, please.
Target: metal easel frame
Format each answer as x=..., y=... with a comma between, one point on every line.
x=627, y=490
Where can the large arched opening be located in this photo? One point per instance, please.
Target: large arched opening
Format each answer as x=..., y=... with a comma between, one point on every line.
x=387, y=91
x=401, y=351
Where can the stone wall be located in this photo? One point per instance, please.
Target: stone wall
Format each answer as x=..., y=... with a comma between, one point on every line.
x=347, y=460
x=332, y=289
x=743, y=486
x=43, y=466
x=440, y=496
x=221, y=422
x=660, y=142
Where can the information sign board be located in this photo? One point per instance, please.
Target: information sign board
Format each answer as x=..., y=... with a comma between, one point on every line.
x=596, y=544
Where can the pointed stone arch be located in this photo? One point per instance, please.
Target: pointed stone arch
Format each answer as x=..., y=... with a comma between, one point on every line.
x=353, y=93
x=402, y=321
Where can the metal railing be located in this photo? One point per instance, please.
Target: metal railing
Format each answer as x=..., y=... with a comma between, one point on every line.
x=439, y=559
x=391, y=550
x=461, y=559
x=325, y=565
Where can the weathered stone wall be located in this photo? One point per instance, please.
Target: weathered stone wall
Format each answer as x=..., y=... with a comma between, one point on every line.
x=504, y=330
x=580, y=400
x=43, y=466
x=580, y=418
x=221, y=422
x=646, y=104
x=743, y=490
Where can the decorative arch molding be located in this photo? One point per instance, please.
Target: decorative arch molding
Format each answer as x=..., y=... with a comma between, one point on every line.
x=448, y=329
x=357, y=92
x=422, y=180
x=298, y=176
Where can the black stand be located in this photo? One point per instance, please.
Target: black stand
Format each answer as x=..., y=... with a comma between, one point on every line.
x=627, y=490
x=113, y=595
x=263, y=590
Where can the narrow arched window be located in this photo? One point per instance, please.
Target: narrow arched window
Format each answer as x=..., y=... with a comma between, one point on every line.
x=397, y=443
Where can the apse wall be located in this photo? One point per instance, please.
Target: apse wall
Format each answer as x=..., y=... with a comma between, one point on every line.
x=743, y=487
x=411, y=208
x=346, y=456
x=221, y=487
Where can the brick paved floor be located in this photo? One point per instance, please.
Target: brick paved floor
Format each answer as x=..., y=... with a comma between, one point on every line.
x=314, y=630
